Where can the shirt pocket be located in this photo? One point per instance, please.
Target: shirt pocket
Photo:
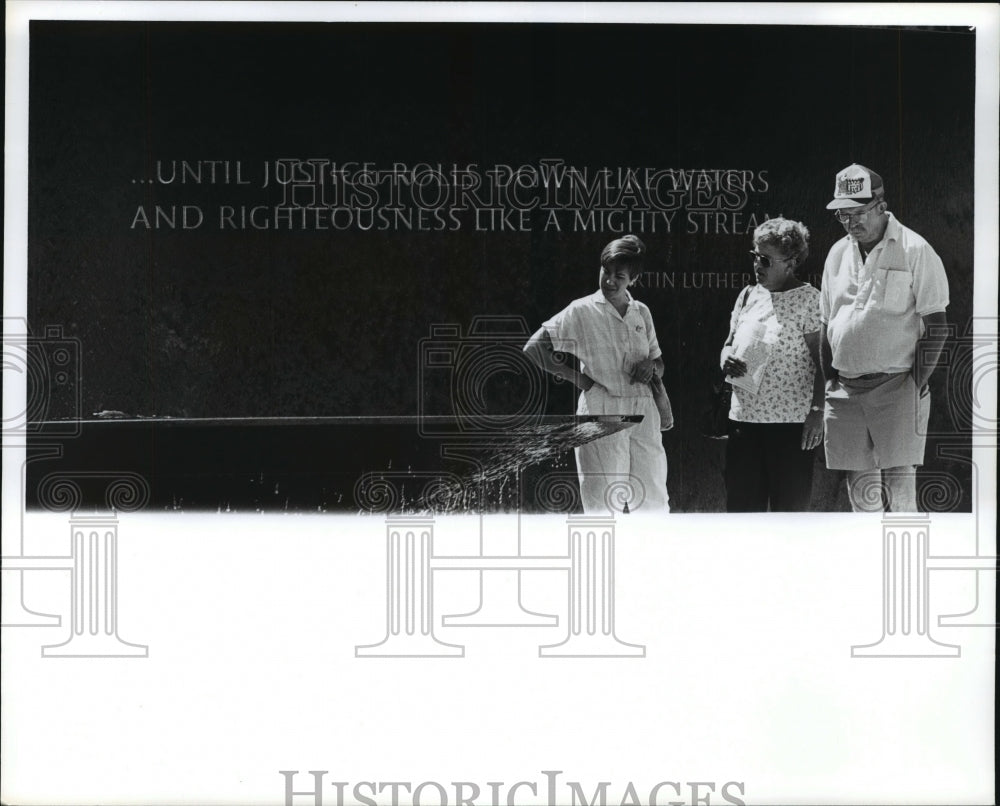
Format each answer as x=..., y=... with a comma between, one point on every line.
x=896, y=286
x=638, y=345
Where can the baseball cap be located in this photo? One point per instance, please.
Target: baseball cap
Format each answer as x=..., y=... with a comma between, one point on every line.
x=855, y=186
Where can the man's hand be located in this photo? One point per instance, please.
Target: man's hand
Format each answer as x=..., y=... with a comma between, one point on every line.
x=929, y=347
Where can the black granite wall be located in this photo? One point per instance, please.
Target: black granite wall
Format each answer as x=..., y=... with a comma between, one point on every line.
x=190, y=294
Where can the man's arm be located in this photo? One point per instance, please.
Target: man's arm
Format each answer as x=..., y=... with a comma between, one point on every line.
x=812, y=428
x=929, y=347
x=812, y=341
x=826, y=356
x=540, y=350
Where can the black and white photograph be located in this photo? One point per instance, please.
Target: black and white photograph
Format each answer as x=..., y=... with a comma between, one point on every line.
x=499, y=403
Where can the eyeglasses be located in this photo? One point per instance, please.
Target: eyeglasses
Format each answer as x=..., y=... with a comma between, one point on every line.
x=764, y=260
x=843, y=216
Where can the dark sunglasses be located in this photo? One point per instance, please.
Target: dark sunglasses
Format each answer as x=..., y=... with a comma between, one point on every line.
x=765, y=261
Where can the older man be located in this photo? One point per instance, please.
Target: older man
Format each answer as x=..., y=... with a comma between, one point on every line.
x=883, y=305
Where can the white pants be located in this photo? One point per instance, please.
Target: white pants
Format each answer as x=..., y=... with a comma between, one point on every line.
x=629, y=466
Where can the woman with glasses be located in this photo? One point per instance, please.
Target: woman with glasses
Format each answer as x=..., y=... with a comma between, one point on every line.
x=771, y=357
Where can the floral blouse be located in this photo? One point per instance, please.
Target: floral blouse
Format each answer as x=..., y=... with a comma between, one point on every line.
x=775, y=323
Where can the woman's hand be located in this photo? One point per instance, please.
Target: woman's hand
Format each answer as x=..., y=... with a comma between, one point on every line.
x=812, y=430
x=735, y=367
x=643, y=371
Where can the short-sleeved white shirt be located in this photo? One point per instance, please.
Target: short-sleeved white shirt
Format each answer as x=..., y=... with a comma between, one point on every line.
x=607, y=344
x=786, y=388
x=873, y=307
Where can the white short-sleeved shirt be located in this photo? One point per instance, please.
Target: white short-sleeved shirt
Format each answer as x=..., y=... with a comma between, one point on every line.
x=786, y=388
x=873, y=307
x=607, y=344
